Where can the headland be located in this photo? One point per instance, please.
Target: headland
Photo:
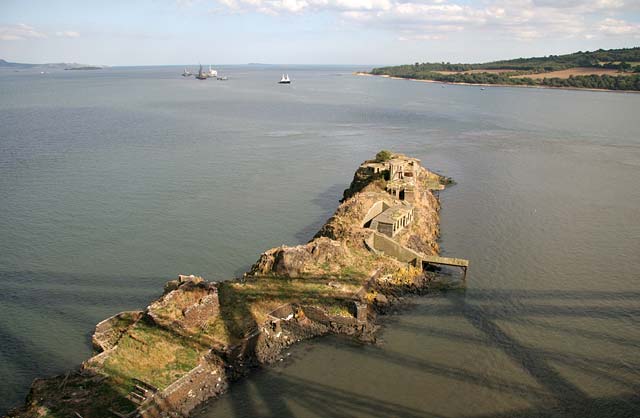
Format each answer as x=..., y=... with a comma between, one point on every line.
x=188, y=345
x=601, y=70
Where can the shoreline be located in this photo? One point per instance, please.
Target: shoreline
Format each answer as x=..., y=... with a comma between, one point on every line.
x=363, y=74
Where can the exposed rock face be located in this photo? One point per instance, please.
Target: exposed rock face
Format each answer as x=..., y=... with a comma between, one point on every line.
x=361, y=179
x=295, y=261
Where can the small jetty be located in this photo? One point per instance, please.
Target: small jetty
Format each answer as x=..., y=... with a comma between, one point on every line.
x=447, y=261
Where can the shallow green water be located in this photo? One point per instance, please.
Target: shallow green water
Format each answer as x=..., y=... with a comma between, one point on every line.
x=113, y=182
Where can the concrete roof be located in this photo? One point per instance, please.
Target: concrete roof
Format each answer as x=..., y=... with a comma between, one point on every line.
x=402, y=159
x=406, y=183
x=374, y=164
x=394, y=213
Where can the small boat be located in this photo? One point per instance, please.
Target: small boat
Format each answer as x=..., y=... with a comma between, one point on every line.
x=481, y=88
x=186, y=73
x=201, y=75
x=223, y=78
x=212, y=72
x=285, y=79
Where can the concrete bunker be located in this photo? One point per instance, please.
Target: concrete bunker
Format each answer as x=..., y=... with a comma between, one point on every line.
x=402, y=189
x=375, y=210
x=393, y=220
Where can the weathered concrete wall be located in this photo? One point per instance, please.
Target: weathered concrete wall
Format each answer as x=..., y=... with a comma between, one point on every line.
x=207, y=380
x=109, y=331
x=386, y=229
x=285, y=311
x=375, y=210
x=190, y=305
x=391, y=248
x=409, y=196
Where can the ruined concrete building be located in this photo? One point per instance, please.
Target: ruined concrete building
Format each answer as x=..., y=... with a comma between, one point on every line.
x=401, y=174
x=393, y=219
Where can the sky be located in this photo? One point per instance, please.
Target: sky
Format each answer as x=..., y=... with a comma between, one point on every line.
x=368, y=32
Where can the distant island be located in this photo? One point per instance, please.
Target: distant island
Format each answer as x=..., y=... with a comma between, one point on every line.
x=614, y=69
x=84, y=68
x=51, y=66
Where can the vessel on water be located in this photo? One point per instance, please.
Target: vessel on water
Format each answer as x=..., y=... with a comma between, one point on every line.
x=212, y=73
x=186, y=73
x=285, y=79
x=201, y=75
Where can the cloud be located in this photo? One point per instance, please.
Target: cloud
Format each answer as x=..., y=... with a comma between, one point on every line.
x=527, y=20
x=433, y=19
x=615, y=27
x=19, y=32
x=22, y=31
x=68, y=34
x=583, y=5
x=424, y=37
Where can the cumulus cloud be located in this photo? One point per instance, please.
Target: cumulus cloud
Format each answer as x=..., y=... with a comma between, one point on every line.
x=19, y=32
x=297, y=6
x=433, y=19
x=617, y=27
x=583, y=5
x=22, y=31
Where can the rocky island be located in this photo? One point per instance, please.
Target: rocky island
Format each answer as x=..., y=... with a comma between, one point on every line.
x=188, y=345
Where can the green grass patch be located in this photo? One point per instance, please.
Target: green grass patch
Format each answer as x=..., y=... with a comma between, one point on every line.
x=153, y=355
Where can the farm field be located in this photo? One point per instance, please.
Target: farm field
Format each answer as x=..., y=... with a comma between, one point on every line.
x=490, y=71
x=575, y=72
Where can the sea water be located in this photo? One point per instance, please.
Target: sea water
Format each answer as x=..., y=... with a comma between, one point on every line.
x=114, y=181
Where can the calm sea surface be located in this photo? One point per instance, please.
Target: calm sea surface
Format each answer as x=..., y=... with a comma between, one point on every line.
x=113, y=182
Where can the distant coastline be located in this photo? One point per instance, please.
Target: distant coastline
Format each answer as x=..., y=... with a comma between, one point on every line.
x=601, y=70
x=56, y=65
x=365, y=74
x=84, y=68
